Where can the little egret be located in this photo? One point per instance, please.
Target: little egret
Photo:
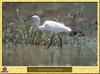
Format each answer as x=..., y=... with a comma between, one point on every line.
x=51, y=26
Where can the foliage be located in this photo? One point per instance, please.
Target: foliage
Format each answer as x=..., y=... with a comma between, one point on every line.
x=26, y=45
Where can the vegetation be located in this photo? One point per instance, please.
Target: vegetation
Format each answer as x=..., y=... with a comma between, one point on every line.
x=23, y=45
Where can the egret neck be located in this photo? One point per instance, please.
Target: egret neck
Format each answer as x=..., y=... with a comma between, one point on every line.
x=37, y=23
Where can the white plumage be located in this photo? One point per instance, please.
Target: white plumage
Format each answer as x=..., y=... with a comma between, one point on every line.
x=51, y=26
x=55, y=27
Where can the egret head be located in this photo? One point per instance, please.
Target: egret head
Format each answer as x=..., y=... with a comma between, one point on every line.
x=34, y=17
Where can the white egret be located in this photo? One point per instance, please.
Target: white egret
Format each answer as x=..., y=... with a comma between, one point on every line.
x=51, y=26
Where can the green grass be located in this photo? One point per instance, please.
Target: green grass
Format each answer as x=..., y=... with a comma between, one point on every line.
x=23, y=45
x=82, y=54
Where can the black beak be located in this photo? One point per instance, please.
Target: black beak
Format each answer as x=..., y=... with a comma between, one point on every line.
x=27, y=19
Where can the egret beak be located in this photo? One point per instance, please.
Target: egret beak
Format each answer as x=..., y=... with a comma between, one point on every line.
x=27, y=19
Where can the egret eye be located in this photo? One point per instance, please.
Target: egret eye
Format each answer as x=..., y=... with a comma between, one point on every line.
x=35, y=18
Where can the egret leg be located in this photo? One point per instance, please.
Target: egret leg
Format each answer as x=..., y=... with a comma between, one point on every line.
x=51, y=40
x=60, y=40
